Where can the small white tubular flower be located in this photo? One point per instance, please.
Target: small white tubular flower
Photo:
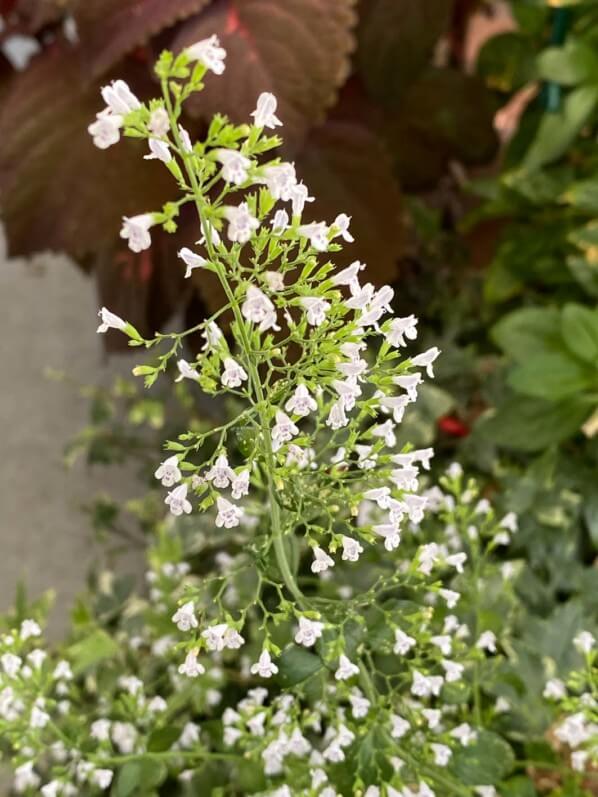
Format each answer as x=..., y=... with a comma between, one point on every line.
x=453, y=671
x=159, y=150
x=110, y=321
x=401, y=328
x=394, y=404
x=280, y=222
x=25, y=778
x=399, y=726
x=100, y=730
x=283, y=430
x=390, y=533
x=135, y=230
x=119, y=98
x=221, y=636
x=315, y=308
x=186, y=142
x=233, y=373
x=212, y=336
x=443, y=642
x=280, y=179
x=342, y=222
x=346, y=669
x=380, y=495
x=299, y=196
x=240, y=484
x=159, y=123
x=442, y=754
x=221, y=474
x=410, y=383
x=209, y=53
x=191, y=667
x=184, y=618
x=464, y=733
x=487, y=641
x=351, y=549
x=321, y=561
x=348, y=390
x=265, y=112
x=426, y=360
x=403, y=642
x=360, y=705
x=258, y=309
x=234, y=165
x=349, y=275
x=301, y=403
x=264, y=667
x=386, y=431
x=177, y=501
x=316, y=233
x=228, y=515
x=450, y=596
x=509, y=522
x=241, y=223
x=29, y=628
x=168, y=473
x=309, y=632
x=105, y=131
x=584, y=642
x=426, y=685
x=457, y=560
x=186, y=371
x=102, y=778
x=11, y=664
x=191, y=260
x=555, y=689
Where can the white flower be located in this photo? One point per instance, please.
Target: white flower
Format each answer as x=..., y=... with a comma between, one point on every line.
x=579, y=759
x=280, y=222
x=241, y=223
x=349, y=275
x=234, y=165
x=301, y=403
x=124, y=736
x=390, y=533
x=299, y=195
x=29, y=628
x=159, y=123
x=264, y=114
x=464, y=733
x=101, y=778
x=401, y=328
x=315, y=308
x=360, y=705
x=509, y=522
x=555, y=689
x=351, y=549
x=52, y=789
x=186, y=371
x=342, y=222
x=159, y=150
x=426, y=685
x=584, y=642
x=38, y=718
x=11, y=664
x=308, y=632
x=119, y=98
x=346, y=669
x=240, y=484
x=410, y=383
x=37, y=657
x=177, y=501
x=399, y=726
x=348, y=391
x=220, y=473
x=186, y=142
x=427, y=359
x=209, y=53
x=221, y=636
x=281, y=180
x=264, y=666
x=184, y=618
x=258, y=309
x=191, y=667
x=283, y=430
x=105, y=131
x=228, y=515
x=442, y=754
x=26, y=778
x=191, y=260
x=457, y=560
x=233, y=373
x=386, y=431
x=573, y=730
x=453, y=671
x=316, y=233
x=487, y=641
x=321, y=561
x=110, y=321
x=443, y=642
x=394, y=404
x=212, y=336
x=168, y=472
x=403, y=642
x=450, y=596
x=485, y=791
x=136, y=230
x=100, y=730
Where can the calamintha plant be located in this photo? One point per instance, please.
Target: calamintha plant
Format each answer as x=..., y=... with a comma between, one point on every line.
x=321, y=577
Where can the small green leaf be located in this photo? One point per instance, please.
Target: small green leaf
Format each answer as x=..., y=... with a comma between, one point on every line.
x=92, y=650
x=138, y=777
x=528, y=332
x=574, y=63
x=550, y=376
x=296, y=665
x=488, y=760
x=580, y=331
x=163, y=739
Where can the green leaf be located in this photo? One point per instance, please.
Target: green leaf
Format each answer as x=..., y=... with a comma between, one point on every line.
x=488, y=760
x=580, y=331
x=557, y=131
x=506, y=61
x=163, y=739
x=519, y=786
x=138, y=777
x=583, y=195
x=574, y=63
x=296, y=665
x=92, y=650
x=527, y=424
x=550, y=376
x=528, y=332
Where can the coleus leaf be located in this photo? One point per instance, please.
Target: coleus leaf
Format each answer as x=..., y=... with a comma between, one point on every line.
x=109, y=29
x=299, y=50
x=396, y=40
x=348, y=170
